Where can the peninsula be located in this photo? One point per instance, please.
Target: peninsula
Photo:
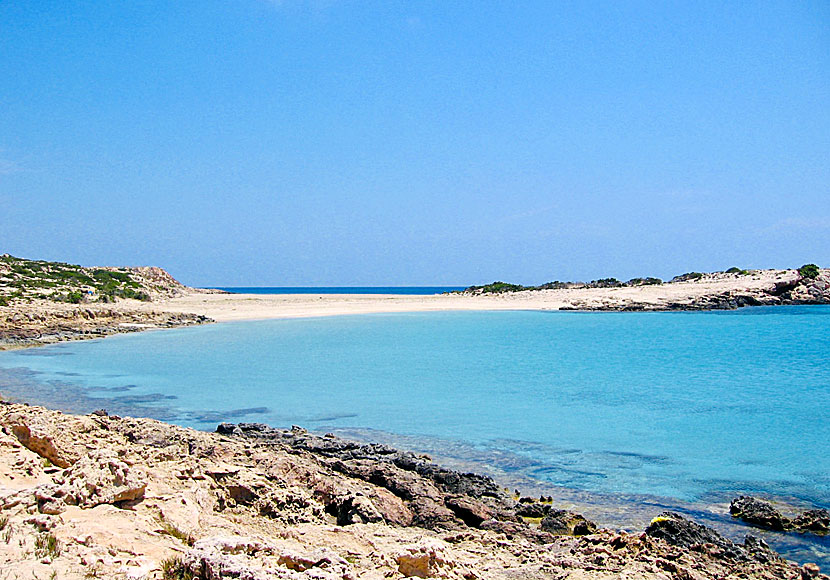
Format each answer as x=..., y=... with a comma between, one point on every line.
x=43, y=302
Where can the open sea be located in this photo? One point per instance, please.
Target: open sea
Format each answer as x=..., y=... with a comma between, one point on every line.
x=416, y=290
x=624, y=413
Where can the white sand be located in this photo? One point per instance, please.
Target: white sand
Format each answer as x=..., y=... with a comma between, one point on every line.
x=229, y=307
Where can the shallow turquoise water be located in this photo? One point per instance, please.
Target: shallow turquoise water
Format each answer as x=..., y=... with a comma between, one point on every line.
x=683, y=405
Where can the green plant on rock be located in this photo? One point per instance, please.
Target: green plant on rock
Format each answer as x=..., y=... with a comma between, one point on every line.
x=175, y=568
x=171, y=530
x=47, y=545
x=809, y=271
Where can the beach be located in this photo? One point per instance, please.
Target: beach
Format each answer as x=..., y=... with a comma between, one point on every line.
x=711, y=291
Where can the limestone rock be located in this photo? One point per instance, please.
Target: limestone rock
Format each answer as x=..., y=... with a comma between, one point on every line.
x=100, y=477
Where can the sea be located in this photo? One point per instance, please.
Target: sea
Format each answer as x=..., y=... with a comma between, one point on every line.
x=410, y=290
x=618, y=414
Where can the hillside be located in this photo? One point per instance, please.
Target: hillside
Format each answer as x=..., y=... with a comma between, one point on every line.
x=24, y=280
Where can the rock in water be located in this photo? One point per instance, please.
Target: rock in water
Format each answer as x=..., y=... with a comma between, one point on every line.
x=758, y=512
x=815, y=521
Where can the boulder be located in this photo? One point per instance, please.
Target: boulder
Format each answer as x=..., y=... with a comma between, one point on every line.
x=679, y=531
x=565, y=523
x=758, y=512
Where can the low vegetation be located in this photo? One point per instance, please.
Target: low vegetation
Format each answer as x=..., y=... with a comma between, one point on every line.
x=175, y=568
x=47, y=545
x=501, y=287
x=171, y=530
x=24, y=280
x=809, y=271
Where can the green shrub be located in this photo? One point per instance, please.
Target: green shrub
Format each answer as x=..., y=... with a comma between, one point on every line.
x=809, y=271
x=174, y=568
x=736, y=270
x=605, y=283
x=497, y=288
x=644, y=281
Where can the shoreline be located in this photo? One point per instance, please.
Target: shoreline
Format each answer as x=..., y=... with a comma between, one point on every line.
x=631, y=512
x=719, y=291
x=42, y=322
x=133, y=497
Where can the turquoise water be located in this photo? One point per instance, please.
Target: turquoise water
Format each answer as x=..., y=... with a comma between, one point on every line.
x=684, y=405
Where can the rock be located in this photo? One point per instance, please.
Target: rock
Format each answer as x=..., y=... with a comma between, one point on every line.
x=101, y=477
x=565, y=523
x=40, y=438
x=815, y=521
x=678, y=531
x=249, y=559
x=228, y=429
x=470, y=511
x=424, y=560
x=809, y=571
x=759, y=550
x=758, y=512
x=763, y=514
x=532, y=510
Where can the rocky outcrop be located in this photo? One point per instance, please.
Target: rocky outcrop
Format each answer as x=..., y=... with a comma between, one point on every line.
x=682, y=532
x=762, y=514
x=142, y=499
x=38, y=325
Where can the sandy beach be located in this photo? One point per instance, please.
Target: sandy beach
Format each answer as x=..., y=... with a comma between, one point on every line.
x=231, y=307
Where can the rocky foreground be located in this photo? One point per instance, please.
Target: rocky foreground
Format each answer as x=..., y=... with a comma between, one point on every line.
x=100, y=496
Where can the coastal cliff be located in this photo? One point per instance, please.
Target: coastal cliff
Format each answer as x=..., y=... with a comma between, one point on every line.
x=100, y=496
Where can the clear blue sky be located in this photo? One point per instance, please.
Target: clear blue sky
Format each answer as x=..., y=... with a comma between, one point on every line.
x=292, y=142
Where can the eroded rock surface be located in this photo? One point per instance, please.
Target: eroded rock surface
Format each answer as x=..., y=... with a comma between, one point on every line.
x=138, y=497
x=762, y=514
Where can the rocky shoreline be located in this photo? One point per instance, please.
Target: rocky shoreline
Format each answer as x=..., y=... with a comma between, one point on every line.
x=44, y=323
x=102, y=496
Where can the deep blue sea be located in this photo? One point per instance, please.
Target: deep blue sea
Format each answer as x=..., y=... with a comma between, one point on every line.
x=417, y=290
x=662, y=409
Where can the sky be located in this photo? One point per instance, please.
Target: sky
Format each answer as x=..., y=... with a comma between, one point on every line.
x=315, y=143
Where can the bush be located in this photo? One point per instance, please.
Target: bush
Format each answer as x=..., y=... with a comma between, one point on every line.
x=650, y=281
x=689, y=276
x=605, y=283
x=736, y=270
x=809, y=271
x=496, y=287
x=175, y=568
